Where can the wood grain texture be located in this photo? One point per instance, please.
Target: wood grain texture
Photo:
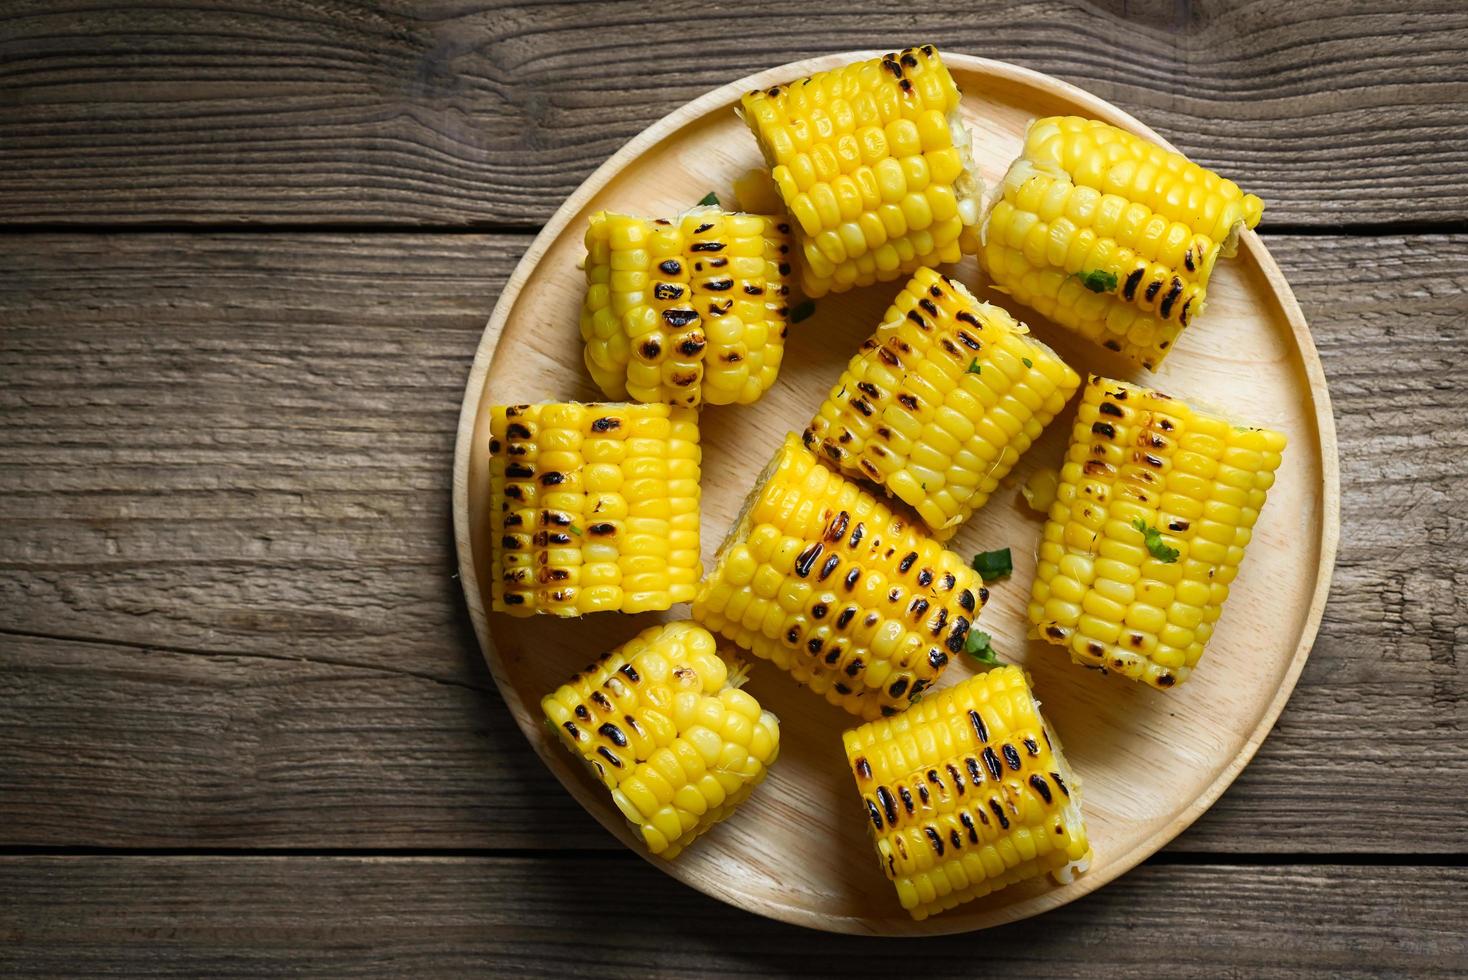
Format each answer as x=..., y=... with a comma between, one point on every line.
x=240, y=446
x=528, y=918
x=460, y=115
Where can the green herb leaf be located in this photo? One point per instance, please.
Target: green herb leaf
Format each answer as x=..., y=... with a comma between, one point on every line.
x=803, y=311
x=980, y=646
x=1027, y=362
x=712, y=200
x=1155, y=544
x=994, y=565
x=915, y=698
x=575, y=529
x=973, y=367
x=1097, y=280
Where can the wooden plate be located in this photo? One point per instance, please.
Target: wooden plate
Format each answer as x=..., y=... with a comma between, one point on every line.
x=1151, y=762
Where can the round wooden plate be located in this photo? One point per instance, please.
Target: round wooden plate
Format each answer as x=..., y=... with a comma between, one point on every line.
x=1151, y=762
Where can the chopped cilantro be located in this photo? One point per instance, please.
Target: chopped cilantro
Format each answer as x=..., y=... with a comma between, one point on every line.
x=1097, y=280
x=973, y=367
x=1027, y=362
x=803, y=311
x=980, y=646
x=1155, y=544
x=712, y=200
x=575, y=529
x=994, y=565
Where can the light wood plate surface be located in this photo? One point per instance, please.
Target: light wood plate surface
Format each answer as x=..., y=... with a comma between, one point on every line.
x=1151, y=762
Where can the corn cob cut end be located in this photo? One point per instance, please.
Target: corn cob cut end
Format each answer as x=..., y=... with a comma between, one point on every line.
x=968, y=792
x=940, y=403
x=1110, y=235
x=593, y=507
x=875, y=166
x=663, y=725
x=1156, y=504
x=834, y=587
x=688, y=311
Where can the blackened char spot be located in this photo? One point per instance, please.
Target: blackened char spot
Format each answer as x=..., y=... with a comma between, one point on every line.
x=937, y=659
x=807, y=559
x=615, y=734
x=706, y=247
x=898, y=687
x=991, y=762
x=844, y=617
x=966, y=600
x=968, y=825
x=980, y=729
x=1011, y=756
x=606, y=753
x=680, y=318
x=863, y=767
x=1173, y=292
x=999, y=812
x=1129, y=288
x=832, y=563
x=837, y=528
x=934, y=839
x=1110, y=408
x=671, y=267
x=1104, y=429
x=1041, y=787
x=907, y=561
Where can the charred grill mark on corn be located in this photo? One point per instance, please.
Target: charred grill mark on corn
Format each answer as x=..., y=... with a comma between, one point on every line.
x=887, y=642
x=1198, y=479
x=875, y=166
x=659, y=327
x=593, y=508
x=681, y=746
x=985, y=826
x=950, y=399
x=1110, y=235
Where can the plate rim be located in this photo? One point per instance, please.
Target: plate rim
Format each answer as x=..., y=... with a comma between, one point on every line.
x=950, y=923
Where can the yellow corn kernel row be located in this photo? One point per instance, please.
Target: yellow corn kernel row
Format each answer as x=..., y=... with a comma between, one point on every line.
x=853, y=600
x=688, y=311
x=941, y=402
x=874, y=165
x=1200, y=481
x=592, y=508
x=662, y=722
x=1110, y=235
x=967, y=792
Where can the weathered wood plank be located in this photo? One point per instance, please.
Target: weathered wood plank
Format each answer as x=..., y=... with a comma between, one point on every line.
x=241, y=445
x=254, y=111
x=572, y=918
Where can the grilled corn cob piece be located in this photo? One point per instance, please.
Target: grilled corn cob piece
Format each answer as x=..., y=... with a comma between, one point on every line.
x=853, y=600
x=687, y=311
x=968, y=792
x=592, y=508
x=1110, y=235
x=874, y=165
x=1155, y=506
x=941, y=402
x=663, y=724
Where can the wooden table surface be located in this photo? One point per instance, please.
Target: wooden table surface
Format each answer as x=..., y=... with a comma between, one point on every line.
x=246, y=251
